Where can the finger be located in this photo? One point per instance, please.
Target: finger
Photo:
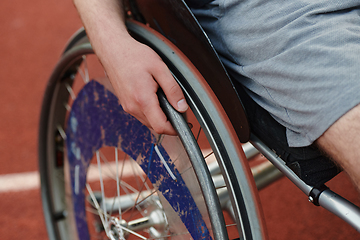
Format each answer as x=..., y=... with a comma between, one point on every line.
x=157, y=118
x=134, y=108
x=142, y=118
x=160, y=125
x=170, y=87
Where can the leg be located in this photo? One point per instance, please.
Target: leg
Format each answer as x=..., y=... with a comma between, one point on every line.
x=341, y=140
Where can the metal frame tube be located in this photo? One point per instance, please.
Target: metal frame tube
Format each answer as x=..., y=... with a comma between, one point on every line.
x=280, y=164
x=341, y=208
x=329, y=200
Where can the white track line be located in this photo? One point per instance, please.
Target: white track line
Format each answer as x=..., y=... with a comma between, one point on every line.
x=16, y=182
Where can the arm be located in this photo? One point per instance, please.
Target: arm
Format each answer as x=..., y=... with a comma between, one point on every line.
x=134, y=70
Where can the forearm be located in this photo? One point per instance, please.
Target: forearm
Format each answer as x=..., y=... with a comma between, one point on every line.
x=104, y=22
x=98, y=14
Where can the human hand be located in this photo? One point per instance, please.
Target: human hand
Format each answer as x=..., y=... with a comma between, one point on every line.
x=136, y=72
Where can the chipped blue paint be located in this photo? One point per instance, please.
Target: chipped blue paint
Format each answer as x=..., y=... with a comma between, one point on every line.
x=97, y=120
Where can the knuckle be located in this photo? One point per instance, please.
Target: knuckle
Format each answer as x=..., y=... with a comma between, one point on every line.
x=174, y=89
x=158, y=128
x=159, y=66
x=142, y=101
x=126, y=108
x=129, y=107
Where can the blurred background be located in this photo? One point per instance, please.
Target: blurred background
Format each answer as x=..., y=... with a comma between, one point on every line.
x=32, y=37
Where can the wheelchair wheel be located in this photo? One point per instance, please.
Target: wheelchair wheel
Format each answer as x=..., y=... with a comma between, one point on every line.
x=105, y=175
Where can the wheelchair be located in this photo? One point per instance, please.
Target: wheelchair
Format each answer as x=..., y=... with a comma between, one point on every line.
x=105, y=175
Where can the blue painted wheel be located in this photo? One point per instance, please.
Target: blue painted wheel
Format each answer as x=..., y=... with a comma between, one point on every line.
x=105, y=175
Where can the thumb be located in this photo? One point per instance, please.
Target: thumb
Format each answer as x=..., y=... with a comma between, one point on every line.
x=171, y=89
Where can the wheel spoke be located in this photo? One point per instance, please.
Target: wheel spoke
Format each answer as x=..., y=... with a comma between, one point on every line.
x=164, y=163
x=117, y=181
x=135, y=171
x=102, y=190
x=132, y=232
x=84, y=74
x=70, y=90
x=100, y=212
x=198, y=134
x=61, y=132
x=136, y=201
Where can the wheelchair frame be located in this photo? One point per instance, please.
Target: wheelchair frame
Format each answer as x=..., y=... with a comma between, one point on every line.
x=166, y=15
x=170, y=23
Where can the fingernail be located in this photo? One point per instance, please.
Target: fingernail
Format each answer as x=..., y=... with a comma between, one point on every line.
x=182, y=105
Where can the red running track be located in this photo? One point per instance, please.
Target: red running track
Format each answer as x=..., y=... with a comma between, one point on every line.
x=32, y=36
